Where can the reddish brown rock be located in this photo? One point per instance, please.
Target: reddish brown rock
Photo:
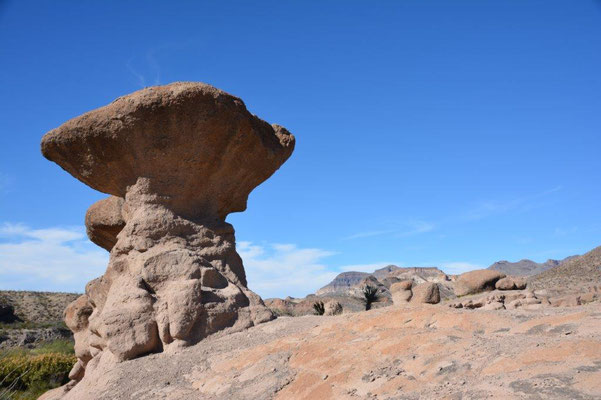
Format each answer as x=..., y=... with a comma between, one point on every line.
x=200, y=149
x=401, y=291
x=511, y=283
x=104, y=221
x=505, y=284
x=426, y=293
x=177, y=159
x=402, y=285
x=477, y=281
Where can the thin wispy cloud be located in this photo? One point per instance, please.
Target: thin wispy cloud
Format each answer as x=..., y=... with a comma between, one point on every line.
x=150, y=64
x=494, y=207
x=417, y=228
x=139, y=77
x=408, y=229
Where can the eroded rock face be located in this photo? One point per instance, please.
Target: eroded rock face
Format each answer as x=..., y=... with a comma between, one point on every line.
x=177, y=159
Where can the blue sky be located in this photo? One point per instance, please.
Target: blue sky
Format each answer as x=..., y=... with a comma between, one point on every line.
x=441, y=133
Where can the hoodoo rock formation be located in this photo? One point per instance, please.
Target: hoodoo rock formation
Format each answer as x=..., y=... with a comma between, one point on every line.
x=177, y=159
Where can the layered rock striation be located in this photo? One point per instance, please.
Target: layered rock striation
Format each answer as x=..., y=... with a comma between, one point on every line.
x=177, y=159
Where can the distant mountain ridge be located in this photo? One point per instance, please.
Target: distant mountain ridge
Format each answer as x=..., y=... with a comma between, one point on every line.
x=527, y=267
x=351, y=281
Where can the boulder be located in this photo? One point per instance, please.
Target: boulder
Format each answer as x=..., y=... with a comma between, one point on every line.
x=401, y=296
x=176, y=160
x=511, y=283
x=520, y=283
x=401, y=291
x=104, y=221
x=402, y=285
x=77, y=314
x=426, y=292
x=505, y=284
x=477, y=281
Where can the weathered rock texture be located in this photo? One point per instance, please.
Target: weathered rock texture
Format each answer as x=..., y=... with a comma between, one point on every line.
x=477, y=281
x=104, y=221
x=511, y=283
x=426, y=292
x=177, y=159
x=424, y=352
x=401, y=291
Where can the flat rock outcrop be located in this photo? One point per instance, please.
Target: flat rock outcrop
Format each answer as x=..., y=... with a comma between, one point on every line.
x=177, y=159
x=425, y=352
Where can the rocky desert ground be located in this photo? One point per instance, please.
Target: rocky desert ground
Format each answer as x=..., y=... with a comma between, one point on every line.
x=399, y=352
x=506, y=343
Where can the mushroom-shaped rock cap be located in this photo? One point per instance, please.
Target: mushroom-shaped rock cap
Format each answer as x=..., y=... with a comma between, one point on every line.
x=199, y=147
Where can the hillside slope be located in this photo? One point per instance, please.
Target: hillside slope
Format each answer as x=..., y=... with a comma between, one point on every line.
x=28, y=319
x=573, y=275
x=37, y=307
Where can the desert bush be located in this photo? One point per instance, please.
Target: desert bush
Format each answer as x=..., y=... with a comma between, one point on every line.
x=33, y=325
x=26, y=374
x=335, y=308
x=319, y=308
x=282, y=312
x=370, y=295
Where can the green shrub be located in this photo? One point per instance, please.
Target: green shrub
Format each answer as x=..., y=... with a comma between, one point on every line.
x=26, y=374
x=28, y=370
